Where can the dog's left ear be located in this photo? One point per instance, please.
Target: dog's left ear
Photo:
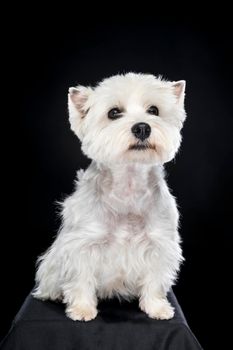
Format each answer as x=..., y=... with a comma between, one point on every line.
x=78, y=107
x=179, y=90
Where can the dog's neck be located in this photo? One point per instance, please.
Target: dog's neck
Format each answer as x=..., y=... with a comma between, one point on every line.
x=130, y=176
x=132, y=172
x=129, y=183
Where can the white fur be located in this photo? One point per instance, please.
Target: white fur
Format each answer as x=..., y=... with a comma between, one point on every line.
x=119, y=234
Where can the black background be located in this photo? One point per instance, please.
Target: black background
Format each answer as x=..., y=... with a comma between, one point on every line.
x=50, y=52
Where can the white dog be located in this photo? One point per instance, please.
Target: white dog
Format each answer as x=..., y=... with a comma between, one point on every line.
x=119, y=234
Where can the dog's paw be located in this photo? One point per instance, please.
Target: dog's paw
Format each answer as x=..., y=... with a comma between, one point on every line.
x=157, y=308
x=81, y=312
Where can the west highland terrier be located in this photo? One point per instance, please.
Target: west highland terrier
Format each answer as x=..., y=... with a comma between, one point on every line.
x=119, y=235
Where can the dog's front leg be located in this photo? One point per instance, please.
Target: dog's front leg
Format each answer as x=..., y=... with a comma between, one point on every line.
x=161, y=267
x=153, y=300
x=79, y=290
x=81, y=301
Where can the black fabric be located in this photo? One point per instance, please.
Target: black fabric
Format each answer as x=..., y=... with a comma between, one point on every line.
x=120, y=326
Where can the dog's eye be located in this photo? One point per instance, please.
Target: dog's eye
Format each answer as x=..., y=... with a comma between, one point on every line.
x=153, y=110
x=114, y=113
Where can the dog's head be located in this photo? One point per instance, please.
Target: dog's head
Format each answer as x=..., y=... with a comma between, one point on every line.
x=129, y=118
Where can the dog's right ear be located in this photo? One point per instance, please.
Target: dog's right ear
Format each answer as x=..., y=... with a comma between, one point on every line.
x=78, y=107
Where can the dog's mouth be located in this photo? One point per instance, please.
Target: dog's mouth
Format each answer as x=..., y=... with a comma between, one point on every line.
x=142, y=147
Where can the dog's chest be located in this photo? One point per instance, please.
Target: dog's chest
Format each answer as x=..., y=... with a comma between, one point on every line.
x=128, y=227
x=128, y=199
x=126, y=243
x=126, y=238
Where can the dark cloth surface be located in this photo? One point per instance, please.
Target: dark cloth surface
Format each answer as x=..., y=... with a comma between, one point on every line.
x=43, y=325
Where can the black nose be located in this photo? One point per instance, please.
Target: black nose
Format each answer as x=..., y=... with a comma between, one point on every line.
x=141, y=130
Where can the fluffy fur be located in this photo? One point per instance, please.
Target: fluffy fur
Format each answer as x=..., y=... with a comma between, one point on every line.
x=119, y=235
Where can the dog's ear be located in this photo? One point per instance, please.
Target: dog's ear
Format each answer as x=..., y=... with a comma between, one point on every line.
x=78, y=97
x=78, y=107
x=179, y=90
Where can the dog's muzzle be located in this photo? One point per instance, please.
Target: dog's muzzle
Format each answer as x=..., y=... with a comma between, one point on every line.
x=141, y=131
